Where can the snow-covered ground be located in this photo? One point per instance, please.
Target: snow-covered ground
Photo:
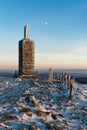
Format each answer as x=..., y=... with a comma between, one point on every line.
x=27, y=104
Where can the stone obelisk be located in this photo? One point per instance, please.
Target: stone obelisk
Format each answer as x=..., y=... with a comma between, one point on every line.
x=26, y=55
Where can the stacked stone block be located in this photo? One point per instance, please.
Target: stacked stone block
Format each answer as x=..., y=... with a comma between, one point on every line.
x=26, y=55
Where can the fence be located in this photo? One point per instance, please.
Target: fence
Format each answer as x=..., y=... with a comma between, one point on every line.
x=64, y=79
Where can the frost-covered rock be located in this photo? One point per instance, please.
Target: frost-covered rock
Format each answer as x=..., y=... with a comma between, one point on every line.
x=33, y=127
x=24, y=105
x=40, y=106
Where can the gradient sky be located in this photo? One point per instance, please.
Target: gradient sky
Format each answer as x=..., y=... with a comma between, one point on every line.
x=58, y=27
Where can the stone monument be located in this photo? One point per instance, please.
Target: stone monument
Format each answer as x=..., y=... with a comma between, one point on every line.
x=26, y=55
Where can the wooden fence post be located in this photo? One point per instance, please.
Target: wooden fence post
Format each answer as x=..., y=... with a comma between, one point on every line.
x=71, y=87
x=50, y=75
x=65, y=79
x=68, y=81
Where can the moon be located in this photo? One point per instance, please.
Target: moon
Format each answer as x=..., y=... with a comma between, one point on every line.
x=46, y=23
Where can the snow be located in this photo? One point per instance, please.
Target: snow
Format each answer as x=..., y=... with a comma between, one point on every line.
x=26, y=103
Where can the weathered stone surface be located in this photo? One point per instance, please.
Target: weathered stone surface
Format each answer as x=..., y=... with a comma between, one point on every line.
x=33, y=127
x=26, y=55
x=26, y=32
x=54, y=116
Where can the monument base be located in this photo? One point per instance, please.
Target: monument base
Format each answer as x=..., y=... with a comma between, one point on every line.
x=28, y=76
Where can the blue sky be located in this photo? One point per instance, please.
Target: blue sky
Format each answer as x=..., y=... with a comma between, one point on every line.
x=58, y=27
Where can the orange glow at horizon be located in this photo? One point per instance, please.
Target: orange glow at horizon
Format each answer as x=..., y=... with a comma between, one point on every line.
x=44, y=61
x=61, y=65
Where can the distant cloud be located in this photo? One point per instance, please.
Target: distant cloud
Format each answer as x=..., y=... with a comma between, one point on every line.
x=79, y=50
